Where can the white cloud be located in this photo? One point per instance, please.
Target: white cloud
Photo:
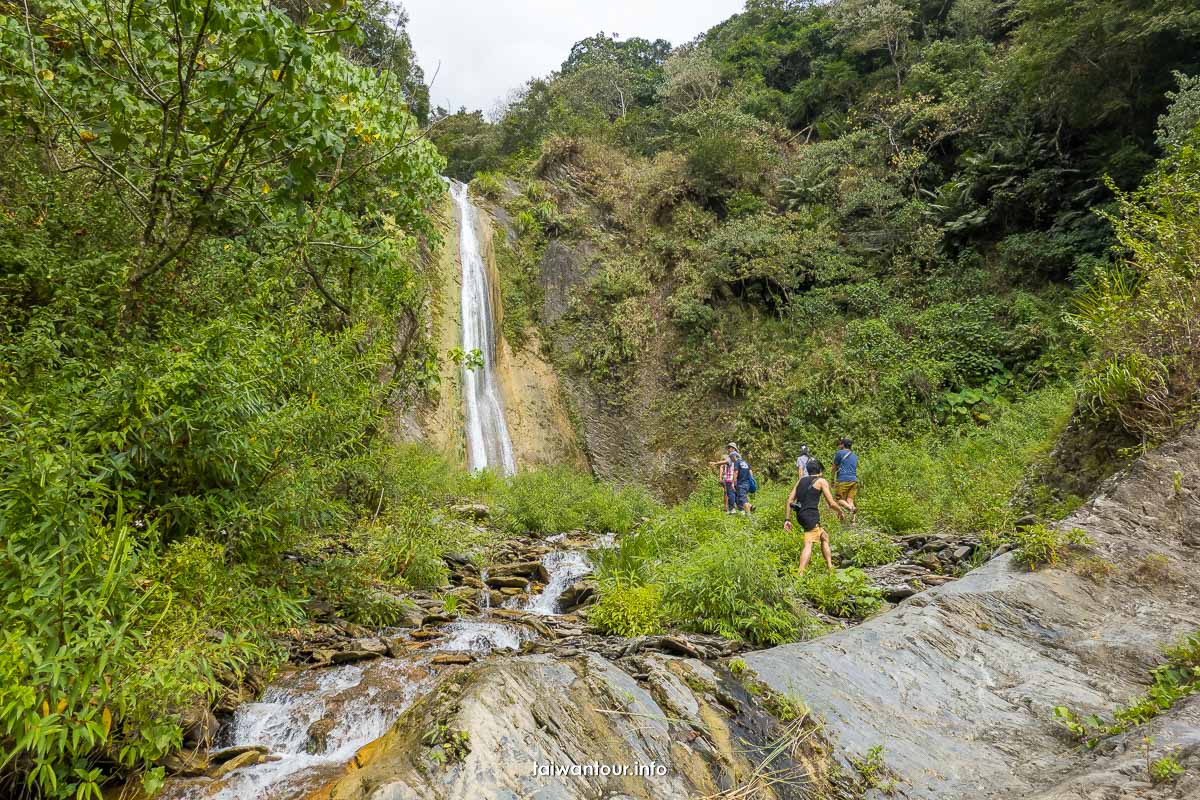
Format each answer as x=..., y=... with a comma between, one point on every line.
x=487, y=49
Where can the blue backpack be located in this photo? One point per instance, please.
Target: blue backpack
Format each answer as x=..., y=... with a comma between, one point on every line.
x=753, y=484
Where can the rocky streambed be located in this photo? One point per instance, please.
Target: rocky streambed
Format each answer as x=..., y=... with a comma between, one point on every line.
x=506, y=692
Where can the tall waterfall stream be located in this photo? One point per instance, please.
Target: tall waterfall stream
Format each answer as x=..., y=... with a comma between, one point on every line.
x=488, y=442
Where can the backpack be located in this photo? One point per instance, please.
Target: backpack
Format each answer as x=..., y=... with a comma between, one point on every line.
x=753, y=487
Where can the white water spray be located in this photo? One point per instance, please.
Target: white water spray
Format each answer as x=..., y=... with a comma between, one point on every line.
x=488, y=443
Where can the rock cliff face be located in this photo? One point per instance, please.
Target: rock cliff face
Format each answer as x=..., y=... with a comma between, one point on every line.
x=958, y=684
x=502, y=731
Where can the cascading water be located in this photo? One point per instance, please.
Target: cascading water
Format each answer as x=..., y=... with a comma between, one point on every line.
x=488, y=442
x=564, y=568
x=360, y=703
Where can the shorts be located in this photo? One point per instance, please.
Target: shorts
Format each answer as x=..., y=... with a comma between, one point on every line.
x=815, y=534
x=743, y=494
x=807, y=519
x=845, y=490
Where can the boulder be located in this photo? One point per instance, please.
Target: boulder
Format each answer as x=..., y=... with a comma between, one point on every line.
x=351, y=656
x=246, y=759
x=318, y=735
x=507, y=582
x=448, y=659
x=370, y=645
x=186, y=763
x=476, y=511
x=959, y=684
x=531, y=570
x=411, y=616
x=577, y=595
x=228, y=753
x=199, y=726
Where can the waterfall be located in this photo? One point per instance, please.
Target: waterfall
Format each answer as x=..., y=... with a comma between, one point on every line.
x=488, y=443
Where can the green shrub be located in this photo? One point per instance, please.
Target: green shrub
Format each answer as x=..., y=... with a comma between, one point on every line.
x=731, y=586
x=628, y=610
x=863, y=547
x=407, y=549
x=1165, y=769
x=1040, y=545
x=489, y=185
x=1141, y=313
x=559, y=499
x=840, y=593
x=896, y=511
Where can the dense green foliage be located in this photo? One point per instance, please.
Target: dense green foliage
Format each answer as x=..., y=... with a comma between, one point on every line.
x=209, y=241
x=864, y=217
x=1142, y=311
x=736, y=575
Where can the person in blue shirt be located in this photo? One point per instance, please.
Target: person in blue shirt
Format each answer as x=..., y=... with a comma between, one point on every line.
x=845, y=468
x=741, y=478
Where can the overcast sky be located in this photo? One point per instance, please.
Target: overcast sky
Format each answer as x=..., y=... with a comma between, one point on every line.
x=489, y=47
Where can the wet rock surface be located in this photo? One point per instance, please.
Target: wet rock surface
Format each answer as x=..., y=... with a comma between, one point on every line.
x=958, y=684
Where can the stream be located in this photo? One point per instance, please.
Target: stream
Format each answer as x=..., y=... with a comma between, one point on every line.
x=312, y=721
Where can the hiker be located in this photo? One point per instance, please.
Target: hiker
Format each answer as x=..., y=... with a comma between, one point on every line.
x=741, y=478
x=845, y=467
x=725, y=475
x=802, y=462
x=806, y=499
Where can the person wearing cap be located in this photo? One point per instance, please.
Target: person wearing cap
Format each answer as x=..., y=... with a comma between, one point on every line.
x=802, y=461
x=725, y=475
x=845, y=468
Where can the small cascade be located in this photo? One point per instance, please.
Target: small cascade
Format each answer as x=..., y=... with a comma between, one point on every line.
x=357, y=705
x=485, y=594
x=473, y=636
x=564, y=568
x=488, y=442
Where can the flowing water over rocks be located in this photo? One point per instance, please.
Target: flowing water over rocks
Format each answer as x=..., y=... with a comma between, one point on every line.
x=310, y=723
x=956, y=684
x=564, y=567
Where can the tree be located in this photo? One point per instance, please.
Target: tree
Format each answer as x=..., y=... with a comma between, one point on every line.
x=870, y=25
x=692, y=76
x=202, y=115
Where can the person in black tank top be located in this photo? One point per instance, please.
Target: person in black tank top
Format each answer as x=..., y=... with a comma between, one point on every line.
x=805, y=500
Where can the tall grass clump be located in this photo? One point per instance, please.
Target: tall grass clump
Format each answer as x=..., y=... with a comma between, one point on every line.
x=558, y=499
x=961, y=479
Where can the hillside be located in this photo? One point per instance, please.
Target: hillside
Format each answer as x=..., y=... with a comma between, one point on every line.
x=244, y=341
x=818, y=220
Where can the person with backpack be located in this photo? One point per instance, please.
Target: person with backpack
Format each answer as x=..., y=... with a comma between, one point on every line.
x=845, y=467
x=802, y=461
x=805, y=500
x=725, y=473
x=743, y=479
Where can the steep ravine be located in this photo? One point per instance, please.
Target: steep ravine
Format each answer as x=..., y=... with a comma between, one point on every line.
x=957, y=684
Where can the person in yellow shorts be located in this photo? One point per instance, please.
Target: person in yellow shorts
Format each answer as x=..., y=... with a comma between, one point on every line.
x=805, y=499
x=845, y=468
